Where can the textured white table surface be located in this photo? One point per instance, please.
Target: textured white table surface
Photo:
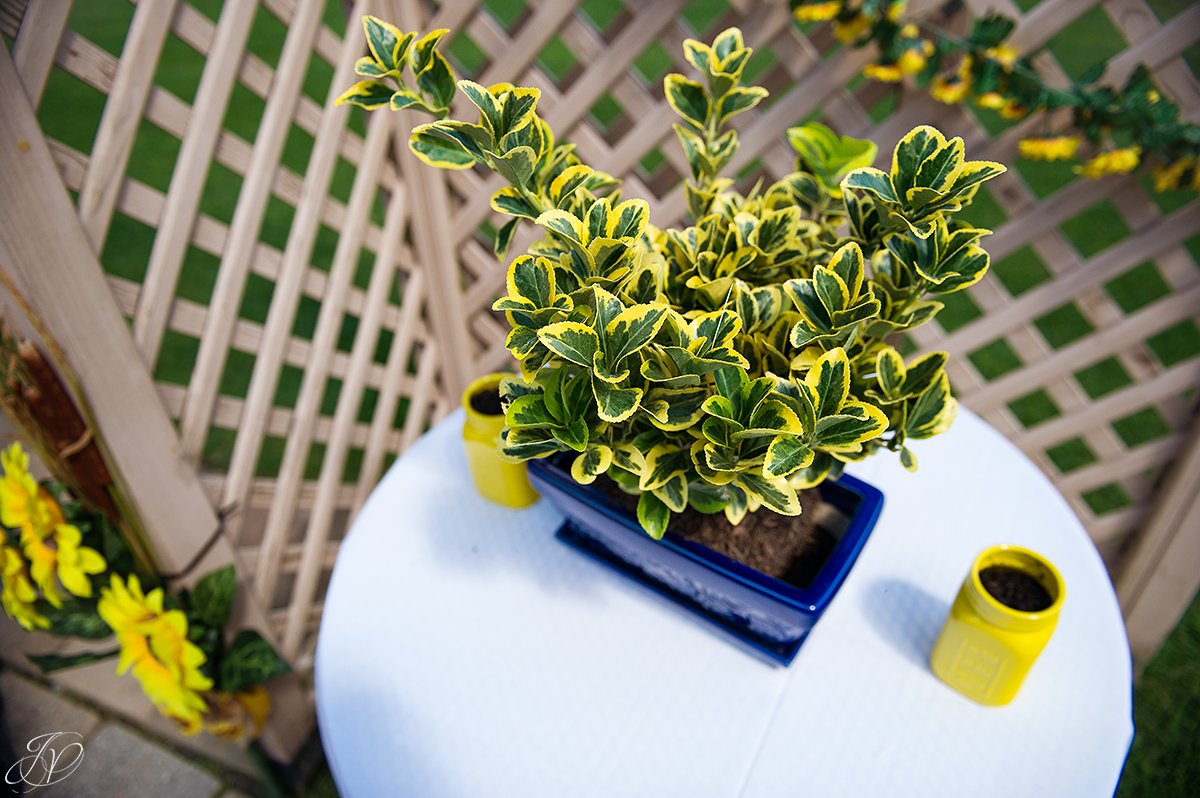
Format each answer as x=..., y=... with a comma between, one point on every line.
x=464, y=651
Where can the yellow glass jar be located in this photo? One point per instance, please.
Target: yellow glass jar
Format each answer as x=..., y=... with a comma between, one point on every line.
x=986, y=647
x=496, y=479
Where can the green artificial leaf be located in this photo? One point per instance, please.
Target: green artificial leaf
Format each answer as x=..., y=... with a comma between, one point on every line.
x=77, y=618
x=250, y=660
x=212, y=597
x=50, y=663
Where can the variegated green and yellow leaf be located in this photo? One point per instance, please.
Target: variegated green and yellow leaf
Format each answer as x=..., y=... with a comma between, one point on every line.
x=632, y=329
x=367, y=94
x=530, y=411
x=653, y=514
x=688, y=99
x=856, y=423
x=594, y=461
x=673, y=409
x=830, y=378
x=674, y=493
x=571, y=340
x=773, y=493
x=662, y=463
x=786, y=455
x=615, y=404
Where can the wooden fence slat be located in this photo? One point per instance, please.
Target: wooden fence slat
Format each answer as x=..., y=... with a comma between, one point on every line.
x=1176, y=379
x=389, y=397
x=36, y=44
x=1167, y=232
x=244, y=231
x=329, y=322
x=187, y=181
x=122, y=113
x=321, y=516
x=1132, y=330
x=271, y=353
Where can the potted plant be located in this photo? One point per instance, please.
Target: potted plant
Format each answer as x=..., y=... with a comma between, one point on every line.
x=716, y=370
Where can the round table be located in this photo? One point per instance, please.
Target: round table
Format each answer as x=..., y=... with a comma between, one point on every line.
x=464, y=651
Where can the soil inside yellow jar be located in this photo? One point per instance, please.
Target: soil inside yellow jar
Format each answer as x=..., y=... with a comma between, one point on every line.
x=1014, y=588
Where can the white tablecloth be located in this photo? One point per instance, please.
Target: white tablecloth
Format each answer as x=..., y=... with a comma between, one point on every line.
x=466, y=652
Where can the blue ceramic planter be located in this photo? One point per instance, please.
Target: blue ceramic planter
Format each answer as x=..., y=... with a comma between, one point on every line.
x=770, y=615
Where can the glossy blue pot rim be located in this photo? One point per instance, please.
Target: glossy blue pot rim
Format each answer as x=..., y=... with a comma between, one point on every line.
x=862, y=501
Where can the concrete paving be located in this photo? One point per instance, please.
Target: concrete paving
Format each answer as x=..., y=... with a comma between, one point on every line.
x=114, y=759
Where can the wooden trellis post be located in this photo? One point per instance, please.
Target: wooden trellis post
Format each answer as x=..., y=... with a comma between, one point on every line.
x=48, y=265
x=1160, y=576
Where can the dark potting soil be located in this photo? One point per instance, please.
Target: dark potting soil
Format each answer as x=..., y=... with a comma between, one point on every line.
x=1015, y=589
x=487, y=403
x=789, y=548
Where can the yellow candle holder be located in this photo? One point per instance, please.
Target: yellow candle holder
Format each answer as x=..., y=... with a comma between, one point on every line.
x=986, y=647
x=495, y=478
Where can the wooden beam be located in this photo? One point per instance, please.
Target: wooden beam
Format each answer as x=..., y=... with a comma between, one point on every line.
x=48, y=266
x=1160, y=579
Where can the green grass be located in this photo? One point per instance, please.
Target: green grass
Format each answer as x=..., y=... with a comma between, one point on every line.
x=1165, y=759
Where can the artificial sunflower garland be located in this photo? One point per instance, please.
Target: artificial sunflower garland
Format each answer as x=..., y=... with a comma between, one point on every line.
x=984, y=68
x=68, y=569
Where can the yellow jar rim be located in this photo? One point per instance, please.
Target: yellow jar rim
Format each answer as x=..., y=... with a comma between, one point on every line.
x=485, y=383
x=1029, y=562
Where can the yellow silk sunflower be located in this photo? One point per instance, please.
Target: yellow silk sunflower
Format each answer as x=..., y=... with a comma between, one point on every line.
x=154, y=644
x=51, y=545
x=1168, y=177
x=914, y=59
x=20, y=497
x=817, y=12
x=885, y=73
x=954, y=89
x=1055, y=148
x=237, y=717
x=1004, y=54
x=56, y=556
x=18, y=595
x=851, y=29
x=1113, y=162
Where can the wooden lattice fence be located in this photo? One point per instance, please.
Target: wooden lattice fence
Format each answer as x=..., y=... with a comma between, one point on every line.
x=308, y=298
